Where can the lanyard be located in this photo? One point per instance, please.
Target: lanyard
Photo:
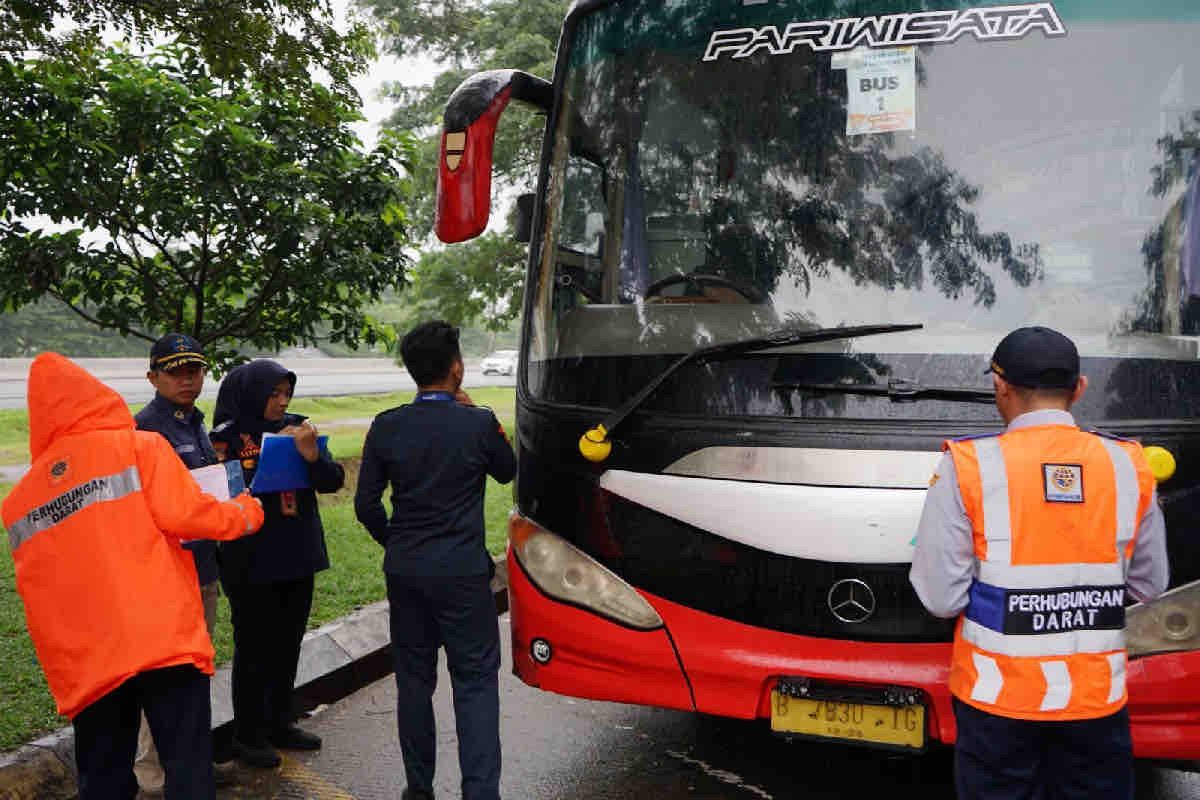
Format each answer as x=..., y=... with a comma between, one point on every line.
x=434, y=397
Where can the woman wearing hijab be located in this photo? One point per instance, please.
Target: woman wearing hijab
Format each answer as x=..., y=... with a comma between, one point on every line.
x=269, y=582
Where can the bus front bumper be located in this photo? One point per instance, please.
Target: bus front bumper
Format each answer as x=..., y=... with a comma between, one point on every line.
x=716, y=666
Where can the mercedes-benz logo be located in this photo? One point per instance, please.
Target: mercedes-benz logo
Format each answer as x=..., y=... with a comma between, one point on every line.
x=851, y=601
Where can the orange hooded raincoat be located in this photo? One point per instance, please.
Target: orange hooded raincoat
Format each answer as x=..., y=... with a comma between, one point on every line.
x=95, y=529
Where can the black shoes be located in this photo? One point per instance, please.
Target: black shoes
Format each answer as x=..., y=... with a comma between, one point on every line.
x=413, y=794
x=292, y=738
x=262, y=755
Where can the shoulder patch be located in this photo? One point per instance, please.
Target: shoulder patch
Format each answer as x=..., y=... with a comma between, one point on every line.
x=223, y=426
x=1113, y=436
x=946, y=444
x=974, y=436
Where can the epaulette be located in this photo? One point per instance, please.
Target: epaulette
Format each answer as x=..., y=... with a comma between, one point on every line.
x=974, y=436
x=1113, y=436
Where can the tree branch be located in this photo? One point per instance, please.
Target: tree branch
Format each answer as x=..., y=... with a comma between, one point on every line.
x=57, y=295
x=269, y=290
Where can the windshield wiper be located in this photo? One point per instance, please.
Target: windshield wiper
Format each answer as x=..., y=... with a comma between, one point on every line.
x=595, y=445
x=898, y=391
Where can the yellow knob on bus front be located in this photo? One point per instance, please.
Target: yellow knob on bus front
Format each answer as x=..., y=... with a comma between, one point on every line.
x=594, y=445
x=1162, y=463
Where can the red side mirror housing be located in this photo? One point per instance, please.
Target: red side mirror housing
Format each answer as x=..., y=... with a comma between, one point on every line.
x=464, y=188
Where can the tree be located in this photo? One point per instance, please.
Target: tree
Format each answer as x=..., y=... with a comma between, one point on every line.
x=468, y=37
x=480, y=280
x=146, y=193
x=48, y=325
x=277, y=41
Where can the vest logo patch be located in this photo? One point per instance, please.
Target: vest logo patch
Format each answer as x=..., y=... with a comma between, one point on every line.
x=59, y=470
x=1063, y=483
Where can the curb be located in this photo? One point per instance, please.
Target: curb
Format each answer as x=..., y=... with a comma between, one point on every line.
x=336, y=660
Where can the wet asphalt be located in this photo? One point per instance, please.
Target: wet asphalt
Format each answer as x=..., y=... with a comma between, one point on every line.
x=559, y=747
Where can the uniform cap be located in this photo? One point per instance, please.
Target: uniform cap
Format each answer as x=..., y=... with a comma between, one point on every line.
x=1037, y=358
x=175, y=350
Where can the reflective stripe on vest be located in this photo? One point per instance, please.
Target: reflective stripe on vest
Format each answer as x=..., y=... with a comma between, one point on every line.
x=1046, y=640
x=1127, y=496
x=72, y=501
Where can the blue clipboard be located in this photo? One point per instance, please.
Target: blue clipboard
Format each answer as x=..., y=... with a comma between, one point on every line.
x=281, y=468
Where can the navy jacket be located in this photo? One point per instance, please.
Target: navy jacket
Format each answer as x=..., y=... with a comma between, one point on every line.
x=436, y=454
x=185, y=431
x=291, y=543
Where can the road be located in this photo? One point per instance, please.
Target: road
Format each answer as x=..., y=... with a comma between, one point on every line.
x=315, y=377
x=561, y=748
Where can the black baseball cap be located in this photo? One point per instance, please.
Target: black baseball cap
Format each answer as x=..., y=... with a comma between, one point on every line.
x=1037, y=358
x=175, y=350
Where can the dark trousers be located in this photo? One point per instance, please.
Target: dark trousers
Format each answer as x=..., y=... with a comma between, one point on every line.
x=460, y=615
x=269, y=621
x=175, y=701
x=1013, y=759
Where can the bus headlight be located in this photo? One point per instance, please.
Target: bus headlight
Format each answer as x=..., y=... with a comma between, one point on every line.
x=566, y=573
x=1166, y=624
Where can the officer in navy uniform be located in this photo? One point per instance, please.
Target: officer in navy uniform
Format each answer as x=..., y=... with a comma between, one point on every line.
x=437, y=453
x=177, y=370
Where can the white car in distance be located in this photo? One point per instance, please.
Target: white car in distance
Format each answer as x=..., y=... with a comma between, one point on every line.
x=501, y=362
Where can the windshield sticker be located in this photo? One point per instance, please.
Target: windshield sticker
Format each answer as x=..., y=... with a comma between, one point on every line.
x=882, y=89
x=891, y=30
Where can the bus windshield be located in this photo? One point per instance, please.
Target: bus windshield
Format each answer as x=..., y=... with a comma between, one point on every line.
x=721, y=169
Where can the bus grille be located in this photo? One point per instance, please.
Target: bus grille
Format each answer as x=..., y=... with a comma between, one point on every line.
x=709, y=573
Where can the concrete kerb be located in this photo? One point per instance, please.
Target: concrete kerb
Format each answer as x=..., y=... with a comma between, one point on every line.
x=336, y=660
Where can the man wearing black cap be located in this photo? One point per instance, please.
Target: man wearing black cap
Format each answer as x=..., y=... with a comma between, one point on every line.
x=1033, y=537
x=177, y=368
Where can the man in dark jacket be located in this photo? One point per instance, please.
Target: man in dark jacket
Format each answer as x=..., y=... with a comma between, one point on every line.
x=177, y=368
x=437, y=453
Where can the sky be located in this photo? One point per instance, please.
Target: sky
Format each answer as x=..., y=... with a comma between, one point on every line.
x=408, y=71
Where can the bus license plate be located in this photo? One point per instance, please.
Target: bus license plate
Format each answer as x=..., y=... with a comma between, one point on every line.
x=894, y=726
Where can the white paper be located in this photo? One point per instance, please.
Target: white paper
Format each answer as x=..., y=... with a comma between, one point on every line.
x=213, y=480
x=882, y=90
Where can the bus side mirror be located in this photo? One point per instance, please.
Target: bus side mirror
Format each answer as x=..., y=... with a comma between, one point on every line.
x=523, y=218
x=464, y=187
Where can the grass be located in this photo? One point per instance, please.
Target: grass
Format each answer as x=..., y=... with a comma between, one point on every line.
x=14, y=437
x=354, y=579
x=346, y=419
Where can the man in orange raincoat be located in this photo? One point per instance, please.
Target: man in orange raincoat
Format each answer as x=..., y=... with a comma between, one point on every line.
x=111, y=597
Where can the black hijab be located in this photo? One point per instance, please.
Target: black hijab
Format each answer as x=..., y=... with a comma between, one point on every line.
x=243, y=396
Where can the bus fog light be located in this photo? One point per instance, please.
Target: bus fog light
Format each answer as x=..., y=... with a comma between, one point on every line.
x=1168, y=624
x=566, y=573
x=1178, y=625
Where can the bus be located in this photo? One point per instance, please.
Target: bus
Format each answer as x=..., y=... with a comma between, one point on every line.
x=772, y=246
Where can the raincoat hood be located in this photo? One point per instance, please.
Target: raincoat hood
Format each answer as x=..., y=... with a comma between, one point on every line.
x=243, y=397
x=66, y=399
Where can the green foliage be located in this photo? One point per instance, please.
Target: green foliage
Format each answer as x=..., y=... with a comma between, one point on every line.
x=49, y=325
x=479, y=280
x=148, y=193
x=469, y=37
x=277, y=41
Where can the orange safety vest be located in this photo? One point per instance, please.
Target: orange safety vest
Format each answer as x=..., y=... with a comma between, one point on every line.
x=1054, y=514
x=94, y=529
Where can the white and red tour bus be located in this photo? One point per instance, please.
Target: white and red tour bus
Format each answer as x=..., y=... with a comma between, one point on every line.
x=772, y=246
